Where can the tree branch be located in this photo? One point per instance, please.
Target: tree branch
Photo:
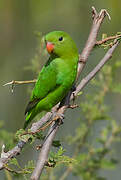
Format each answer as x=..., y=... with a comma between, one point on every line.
x=85, y=80
x=97, y=21
x=43, y=156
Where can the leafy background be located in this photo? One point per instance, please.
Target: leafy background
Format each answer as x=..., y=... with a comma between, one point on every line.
x=19, y=20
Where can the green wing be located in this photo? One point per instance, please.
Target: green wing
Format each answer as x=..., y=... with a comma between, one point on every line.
x=47, y=82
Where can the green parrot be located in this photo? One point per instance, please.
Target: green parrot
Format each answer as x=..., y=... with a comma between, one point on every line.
x=57, y=75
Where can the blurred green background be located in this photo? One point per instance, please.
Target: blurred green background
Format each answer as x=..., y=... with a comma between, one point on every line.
x=19, y=19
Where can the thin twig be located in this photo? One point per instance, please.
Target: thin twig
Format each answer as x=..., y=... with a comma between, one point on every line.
x=107, y=39
x=13, y=83
x=11, y=170
x=20, y=82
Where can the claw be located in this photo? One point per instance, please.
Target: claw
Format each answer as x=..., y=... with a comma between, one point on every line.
x=73, y=106
x=58, y=116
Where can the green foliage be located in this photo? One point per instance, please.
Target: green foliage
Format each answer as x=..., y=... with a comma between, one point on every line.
x=111, y=41
x=21, y=137
x=19, y=172
x=59, y=158
x=56, y=143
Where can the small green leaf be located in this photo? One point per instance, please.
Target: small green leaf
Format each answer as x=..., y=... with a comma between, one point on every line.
x=56, y=143
x=30, y=166
x=20, y=136
x=104, y=36
x=14, y=161
x=80, y=93
x=108, y=164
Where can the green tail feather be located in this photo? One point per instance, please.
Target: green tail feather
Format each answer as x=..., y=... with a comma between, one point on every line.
x=27, y=120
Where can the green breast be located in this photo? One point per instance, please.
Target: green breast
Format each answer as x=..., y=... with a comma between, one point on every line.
x=67, y=70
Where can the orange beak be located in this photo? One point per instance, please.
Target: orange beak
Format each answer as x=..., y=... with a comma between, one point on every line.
x=50, y=47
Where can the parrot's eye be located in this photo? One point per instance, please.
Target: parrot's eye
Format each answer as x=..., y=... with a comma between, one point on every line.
x=60, y=38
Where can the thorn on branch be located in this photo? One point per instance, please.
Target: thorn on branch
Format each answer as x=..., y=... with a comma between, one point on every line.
x=73, y=106
x=38, y=147
x=12, y=83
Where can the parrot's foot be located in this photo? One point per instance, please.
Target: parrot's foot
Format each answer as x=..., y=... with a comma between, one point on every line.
x=55, y=117
x=58, y=117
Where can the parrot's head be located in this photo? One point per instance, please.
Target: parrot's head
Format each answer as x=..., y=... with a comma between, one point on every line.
x=60, y=44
